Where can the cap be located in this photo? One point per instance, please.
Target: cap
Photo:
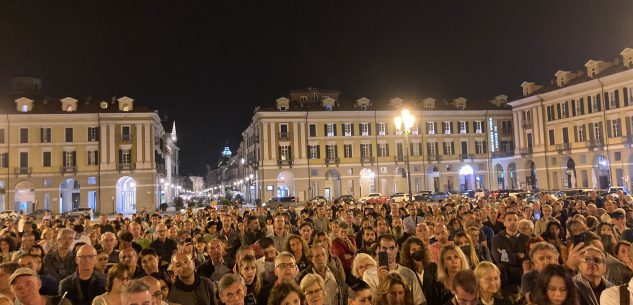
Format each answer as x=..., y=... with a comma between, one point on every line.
x=21, y=272
x=617, y=214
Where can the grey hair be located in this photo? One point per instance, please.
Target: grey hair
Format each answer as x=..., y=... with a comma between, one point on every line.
x=135, y=286
x=65, y=230
x=311, y=279
x=540, y=246
x=283, y=254
x=229, y=279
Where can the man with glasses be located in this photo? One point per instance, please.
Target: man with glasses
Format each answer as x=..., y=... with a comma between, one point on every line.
x=60, y=262
x=372, y=276
x=465, y=288
x=189, y=288
x=154, y=289
x=232, y=289
x=335, y=287
x=86, y=283
x=164, y=246
x=285, y=268
x=590, y=280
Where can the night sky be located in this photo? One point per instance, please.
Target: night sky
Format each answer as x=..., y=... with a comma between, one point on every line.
x=207, y=64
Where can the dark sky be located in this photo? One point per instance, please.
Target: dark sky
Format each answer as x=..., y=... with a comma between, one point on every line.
x=207, y=64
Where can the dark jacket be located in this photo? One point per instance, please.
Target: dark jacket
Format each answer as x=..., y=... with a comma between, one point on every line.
x=164, y=248
x=434, y=291
x=71, y=284
x=200, y=293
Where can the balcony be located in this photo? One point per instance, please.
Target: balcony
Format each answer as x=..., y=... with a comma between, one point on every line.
x=562, y=148
x=434, y=158
x=506, y=132
x=332, y=161
x=502, y=154
x=525, y=151
x=125, y=166
x=365, y=160
x=284, y=136
x=466, y=157
x=23, y=171
x=284, y=162
x=627, y=140
x=160, y=168
x=595, y=144
x=398, y=159
x=527, y=124
x=126, y=137
x=66, y=169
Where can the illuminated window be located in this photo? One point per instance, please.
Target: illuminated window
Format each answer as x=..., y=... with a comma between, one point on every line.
x=25, y=108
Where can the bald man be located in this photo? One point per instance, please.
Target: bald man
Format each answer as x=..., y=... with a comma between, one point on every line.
x=109, y=242
x=190, y=287
x=86, y=283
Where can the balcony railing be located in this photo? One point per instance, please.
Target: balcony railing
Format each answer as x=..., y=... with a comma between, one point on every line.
x=627, y=140
x=284, y=162
x=595, y=144
x=398, y=159
x=284, y=135
x=434, y=158
x=69, y=169
x=126, y=137
x=466, y=156
x=364, y=160
x=23, y=171
x=525, y=151
x=506, y=132
x=335, y=160
x=503, y=154
x=527, y=123
x=125, y=166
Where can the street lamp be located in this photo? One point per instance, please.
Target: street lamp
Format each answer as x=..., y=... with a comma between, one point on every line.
x=404, y=123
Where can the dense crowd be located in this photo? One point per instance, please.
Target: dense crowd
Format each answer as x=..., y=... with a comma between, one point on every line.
x=458, y=251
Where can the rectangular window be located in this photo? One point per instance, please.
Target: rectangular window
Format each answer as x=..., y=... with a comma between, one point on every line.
x=430, y=127
x=448, y=148
x=329, y=130
x=348, y=150
x=550, y=113
x=126, y=133
x=431, y=148
x=616, y=131
x=1, y=135
x=126, y=156
x=45, y=135
x=24, y=135
x=4, y=160
x=447, y=127
x=312, y=128
x=382, y=129
x=462, y=126
x=313, y=151
x=331, y=152
x=596, y=131
x=479, y=147
x=593, y=102
x=552, y=141
x=581, y=133
x=364, y=151
x=382, y=150
x=93, y=157
x=24, y=159
x=46, y=159
x=69, y=158
x=69, y=134
x=565, y=110
x=284, y=152
x=478, y=126
x=93, y=134
x=347, y=129
x=364, y=129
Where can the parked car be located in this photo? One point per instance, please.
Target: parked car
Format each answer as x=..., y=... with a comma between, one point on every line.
x=9, y=214
x=374, y=198
x=78, y=212
x=39, y=214
x=614, y=190
x=400, y=197
x=440, y=196
x=423, y=196
x=275, y=202
x=349, y=199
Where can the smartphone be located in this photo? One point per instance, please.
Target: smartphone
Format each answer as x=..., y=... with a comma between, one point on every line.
x=579, y=238
x=383, y=259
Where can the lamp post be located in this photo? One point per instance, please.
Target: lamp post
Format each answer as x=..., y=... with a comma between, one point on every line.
x=404, y=123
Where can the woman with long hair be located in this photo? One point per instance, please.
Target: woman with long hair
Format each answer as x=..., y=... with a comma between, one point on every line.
x=7, y=246
x=452, y=259
x=393, y=291
x=362, y=262
x=118, y=275
x=489, y=278
x=554, y=286
x=483, y=251
x=555, y=235
x=299, y=248
x=312, y=285
x=463, y=241
x=253, y=280
x=325, y=241
x=48, y=239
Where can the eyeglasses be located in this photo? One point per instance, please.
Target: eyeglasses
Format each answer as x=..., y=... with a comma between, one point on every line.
x=593, y=260
x=286, y=266
x=314, y=293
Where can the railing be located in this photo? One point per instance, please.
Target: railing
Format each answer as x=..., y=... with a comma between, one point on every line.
x=125, y=166
x=466, y=156
x=364, y=160
x=398, y=158
x=506, y=132
x=434, y=158
x=69, y=169
x=563, y=147
x=23, y=170
x=284, y=135
x=627, y=140
x=284, y=162
x=595, y=144
x=525, y=151
x=335, y=160
x=503, y=154
x=126, y=137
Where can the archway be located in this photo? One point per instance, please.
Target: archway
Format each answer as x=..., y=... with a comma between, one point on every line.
x=400, y=180
x=126, y=195
x=24, y=197
x=69, y=195
x=530, y=177
x=571, y=173
x=601, y=172
x=433, y=175
x=500, y=177
x=367, y=181
x=285, y=184
x=466, y=178
x=332, y=188
x=512, y=175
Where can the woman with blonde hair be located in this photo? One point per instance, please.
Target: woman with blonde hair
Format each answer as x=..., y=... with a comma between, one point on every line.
x=362, y=262
x=118, y=275
x=393, y=291
x=465, y=243
x=489, y=278
x=312, y=287
x=48, y=239
x=253, y=280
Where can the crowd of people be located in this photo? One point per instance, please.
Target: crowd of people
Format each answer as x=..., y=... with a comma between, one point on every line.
x=458, y=251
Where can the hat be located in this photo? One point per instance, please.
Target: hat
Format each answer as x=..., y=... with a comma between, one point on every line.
x=20, y=272
x=617, y=214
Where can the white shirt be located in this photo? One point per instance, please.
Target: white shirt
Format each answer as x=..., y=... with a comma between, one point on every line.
x=611, y=295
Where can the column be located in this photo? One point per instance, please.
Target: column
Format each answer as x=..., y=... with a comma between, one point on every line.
x=273, y=138
x=295, y=143
x=264, y=140
x=112, y=156
x=103, y=151
x=303, y=146
x=148, y=144
x=139, y=146
x=538, y=128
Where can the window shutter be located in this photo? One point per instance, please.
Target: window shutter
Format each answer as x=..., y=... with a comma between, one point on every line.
x=419, y=149
x=589, y=105
x=483, y=126
x=558, y=112
x=619, y=125
x=335, y=151
x=625, y=93
x=369, y=129
x=607, y=102
x=318, y=148
x=590, y=131
x=616, y=96
x=386, y=149
x=334, y=128
x=573, y=107
x=325, y=130
x=279, y=152
x=74, y=158
x=452, y=130
x=410, y=149
x=444, y=148
x=428, y=149
x=352, y=129
x=371, y=150
x=386, y=130
x=598, y=102
x=120, y=155
x=474, y=126
x=466, y=123
x=609, y=131
x=582, y=106
x=452, y=148
x=437, y=147
x=575, y=133
x=485, y=147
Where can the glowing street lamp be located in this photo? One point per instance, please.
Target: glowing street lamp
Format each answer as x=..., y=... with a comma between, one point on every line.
x=404, y=123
